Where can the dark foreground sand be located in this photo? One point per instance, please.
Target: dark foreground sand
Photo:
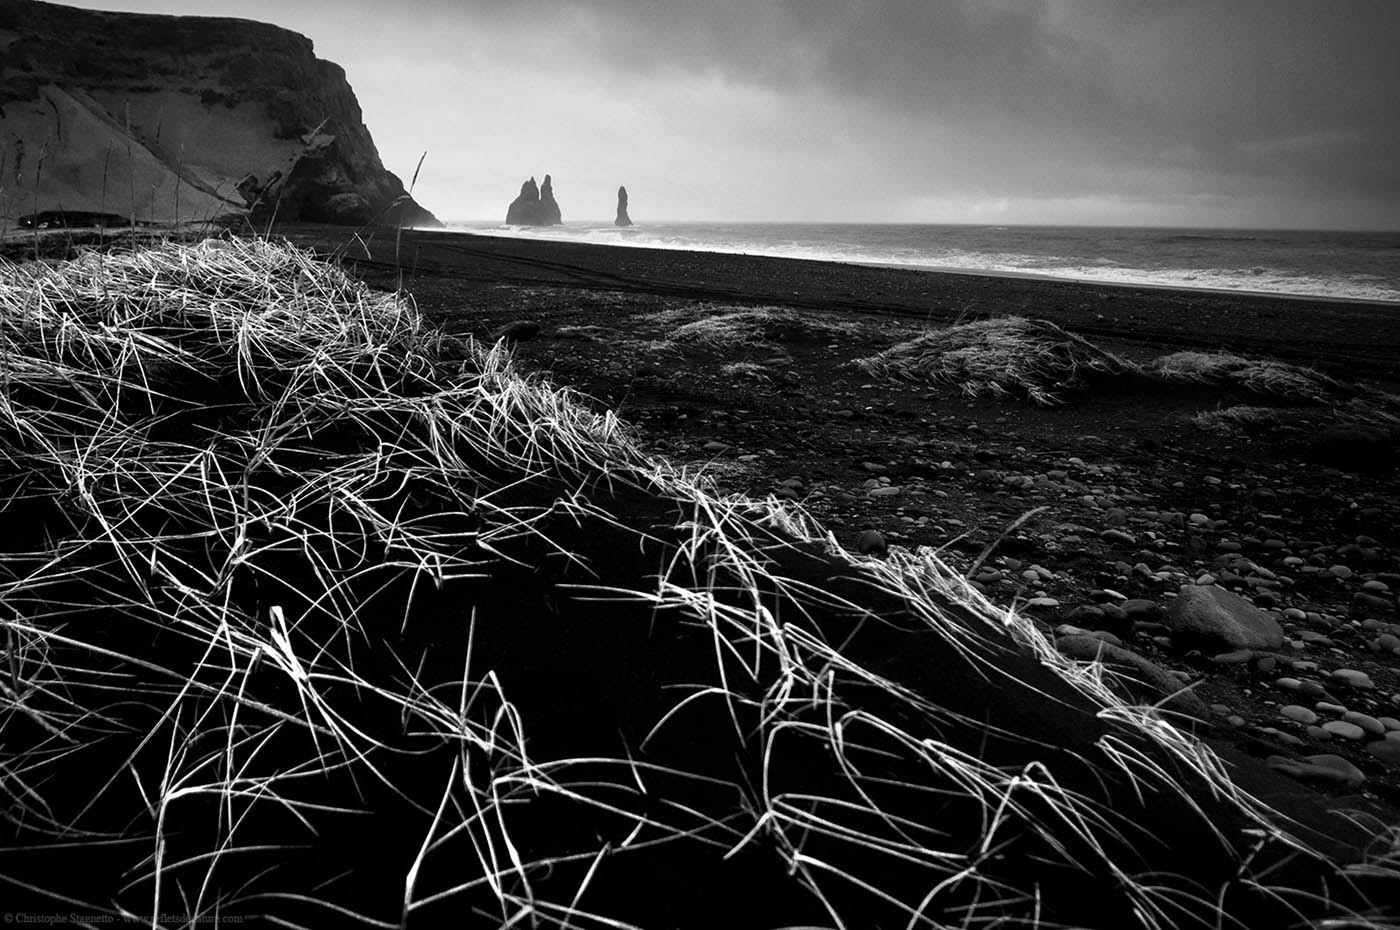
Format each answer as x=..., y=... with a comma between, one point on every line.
x=1088, y=517
x=1116, y=477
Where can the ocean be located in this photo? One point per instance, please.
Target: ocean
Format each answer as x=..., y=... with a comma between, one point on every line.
x=1337, y=265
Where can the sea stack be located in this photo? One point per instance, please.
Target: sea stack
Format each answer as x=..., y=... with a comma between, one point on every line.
x=622, y=218
x=523, y=209
x=549, y=210
x=535, y=206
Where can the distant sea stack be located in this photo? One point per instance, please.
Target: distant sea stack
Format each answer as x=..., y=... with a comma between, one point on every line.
x=535, y=206
x=622, y=218
x=164, y=118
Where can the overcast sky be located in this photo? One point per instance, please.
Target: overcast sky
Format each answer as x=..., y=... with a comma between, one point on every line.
x=1152, y=112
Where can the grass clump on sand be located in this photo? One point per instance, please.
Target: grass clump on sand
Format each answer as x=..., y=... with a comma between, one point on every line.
x=1263, y=378
x=1239, y=418
x=720, y=328
x=313, y=616
x=1000, y=357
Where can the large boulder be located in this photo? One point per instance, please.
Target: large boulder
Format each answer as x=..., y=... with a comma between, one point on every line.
x=1210, y=616
x=622, y=218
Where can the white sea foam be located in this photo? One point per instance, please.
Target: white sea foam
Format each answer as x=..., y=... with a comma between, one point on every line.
x=1344, y=266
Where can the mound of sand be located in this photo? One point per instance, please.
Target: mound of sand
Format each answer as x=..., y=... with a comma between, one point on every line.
x=313, y=615
x=1003, y=356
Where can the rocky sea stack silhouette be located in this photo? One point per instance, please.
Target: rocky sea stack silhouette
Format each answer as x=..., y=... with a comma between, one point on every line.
x=622, y=218
x=535, y=206
x=162, y=118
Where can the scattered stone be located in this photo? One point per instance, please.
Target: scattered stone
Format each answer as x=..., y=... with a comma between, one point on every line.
x=871, y=542
x=1141, y=610
x=1387, y=750
x=1364, y=721
x=1354, y=678
x=1345, y=730
x=1361, y=602
x=1298, y=713
x=1325, y=769
x=1213, y=615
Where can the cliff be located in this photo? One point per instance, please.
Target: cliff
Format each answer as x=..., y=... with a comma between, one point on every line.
x=535, y=206
x=164, y=118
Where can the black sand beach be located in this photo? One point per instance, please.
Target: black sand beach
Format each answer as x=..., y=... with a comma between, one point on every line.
x=470, y=615
x=1115, y=476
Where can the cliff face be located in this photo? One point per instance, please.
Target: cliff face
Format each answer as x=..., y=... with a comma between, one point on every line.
x=181, y=117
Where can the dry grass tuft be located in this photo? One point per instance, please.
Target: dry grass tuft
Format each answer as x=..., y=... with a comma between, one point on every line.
x=1264, y=378
x=1000, y=357
x=1240, y=418
x=308, y=621
x=726, y=328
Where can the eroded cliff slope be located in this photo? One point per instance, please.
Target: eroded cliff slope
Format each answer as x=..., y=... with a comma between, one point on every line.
x=181, y=117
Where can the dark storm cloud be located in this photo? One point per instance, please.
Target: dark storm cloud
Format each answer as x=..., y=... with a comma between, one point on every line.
x=1240, y=97
x=1214, y=112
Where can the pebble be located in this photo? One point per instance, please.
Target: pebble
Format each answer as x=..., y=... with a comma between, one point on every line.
x=1387, y=750
x=1120, y=536
x=1365, y=721
x=1326, y=768
x=715, y=445
x=1312, y=689
x=871, y=542
x=1298, y=713
x=1344, y=730
x=1354, y=678
x=1327, y=707
x=1387, y=642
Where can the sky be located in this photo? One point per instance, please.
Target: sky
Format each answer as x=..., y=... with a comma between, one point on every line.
x=1235, y=113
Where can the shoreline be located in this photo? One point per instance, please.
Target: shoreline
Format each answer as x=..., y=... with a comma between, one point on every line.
x=1357, y=338
x=936, y=269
